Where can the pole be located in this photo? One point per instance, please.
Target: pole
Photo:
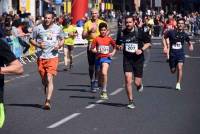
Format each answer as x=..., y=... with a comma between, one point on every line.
x=40, y=8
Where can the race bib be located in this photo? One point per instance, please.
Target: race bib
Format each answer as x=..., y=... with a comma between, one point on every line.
x=50, y=38
x=131, y=47
x=178, y=45
x=103, y=49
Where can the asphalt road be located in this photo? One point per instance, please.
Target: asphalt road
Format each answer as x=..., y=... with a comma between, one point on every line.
x=160, y=109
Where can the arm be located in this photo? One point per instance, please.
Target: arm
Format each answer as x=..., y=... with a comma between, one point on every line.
x=15, y=67
x=146, y=46
x=9, y=59
x=93, y=46
x=165, y=42
x=60, y=44
x=86, y=32
x=191, y=47
x=34, y=43
x=146, y=39
x=113, y=43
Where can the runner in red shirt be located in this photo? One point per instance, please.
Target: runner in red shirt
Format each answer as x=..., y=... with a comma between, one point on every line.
x=101, y=46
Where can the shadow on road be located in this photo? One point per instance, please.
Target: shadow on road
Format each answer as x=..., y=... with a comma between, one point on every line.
x=75, y=90
x=164, y=87
x=110, y=104
x=84, y=97
x=26, y=105
x=158, y=61
x=78, y=85
x=79, y=73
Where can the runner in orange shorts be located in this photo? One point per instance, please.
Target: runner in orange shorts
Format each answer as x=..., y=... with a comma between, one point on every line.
x=48, y=38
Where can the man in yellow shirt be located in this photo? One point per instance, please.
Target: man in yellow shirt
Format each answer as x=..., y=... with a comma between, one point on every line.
x=91, y=31
x=70, y=34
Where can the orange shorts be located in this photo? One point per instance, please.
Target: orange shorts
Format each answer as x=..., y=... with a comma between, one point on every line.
x=47, y=66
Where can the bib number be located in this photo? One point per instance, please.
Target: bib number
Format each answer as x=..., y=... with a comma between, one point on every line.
x=131, y=47
x=103, y=49
x=178, y=45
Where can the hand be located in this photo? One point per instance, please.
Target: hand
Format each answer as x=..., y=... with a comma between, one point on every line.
x=56, y=47
x=191, y=48
x=139, y=51
x=120, y=47
x=111, y=55
x=41, y=45
x=165, y=50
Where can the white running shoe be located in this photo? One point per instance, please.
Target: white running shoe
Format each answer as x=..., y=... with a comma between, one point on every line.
x=140, y=89
x=178, y=86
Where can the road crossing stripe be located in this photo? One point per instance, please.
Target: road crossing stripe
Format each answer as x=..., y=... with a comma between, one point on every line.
x=64, y=120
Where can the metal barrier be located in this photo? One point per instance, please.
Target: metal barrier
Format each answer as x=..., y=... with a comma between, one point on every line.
x=17, y=48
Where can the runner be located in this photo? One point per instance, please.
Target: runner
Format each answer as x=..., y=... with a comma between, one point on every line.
x=90, y=31
x=101, y=46
x=70, y=32
x=13, y=66
x=48, y=37
x=175, y=40
x=134, y=42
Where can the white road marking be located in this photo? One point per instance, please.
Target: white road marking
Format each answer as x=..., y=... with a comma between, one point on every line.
x=90, y=106
x=100, y=101
x=75, y=56
x=18, y=77
x=93, y=105
x=117, y=91
x=157, y=44
x=27, y=75
x=192, y=57
x=64, y=120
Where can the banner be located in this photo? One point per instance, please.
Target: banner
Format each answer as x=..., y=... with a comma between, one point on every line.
x=24, y=5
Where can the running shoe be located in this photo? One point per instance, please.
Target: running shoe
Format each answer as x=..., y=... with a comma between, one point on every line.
x=96, y=85
x=104, y=95
x=140, y=88
x=178, y=86
x=131, y=105
x=2, y=115
x=47, y=105
x=93, y=90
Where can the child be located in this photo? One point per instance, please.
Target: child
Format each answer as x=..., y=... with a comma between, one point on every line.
x=101, y=46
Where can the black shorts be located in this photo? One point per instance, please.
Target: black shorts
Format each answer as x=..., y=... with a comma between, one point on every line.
x=135, y=66
x=69, y=47
x=174, y=59
x=1, y=94
x=91, y=57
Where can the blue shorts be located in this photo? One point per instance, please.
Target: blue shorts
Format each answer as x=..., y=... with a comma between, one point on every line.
x=99, y=61
x=174, y=59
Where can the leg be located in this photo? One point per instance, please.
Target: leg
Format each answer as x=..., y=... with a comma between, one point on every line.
x=180, y=72
x=172, y=64
x=91, y=62
x=104, y=76
x=44, y=82
x=49, y=86
x=138, y=84
x=128, y=85
x=65, y=57
x=70, y=48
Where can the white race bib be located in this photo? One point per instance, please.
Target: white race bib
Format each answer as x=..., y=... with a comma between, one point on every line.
x=178, y=45
x=103, y=49
x=131, y=47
